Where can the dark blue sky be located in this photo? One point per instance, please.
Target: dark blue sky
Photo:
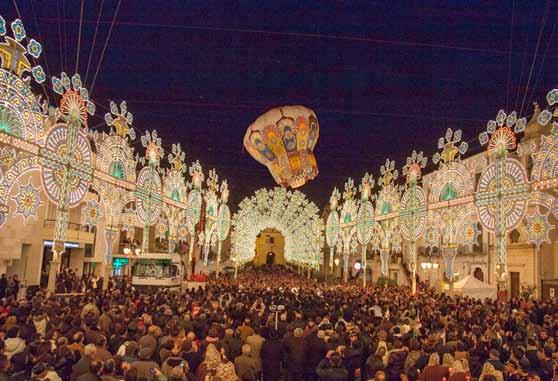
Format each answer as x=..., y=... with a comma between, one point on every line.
x=383, y=77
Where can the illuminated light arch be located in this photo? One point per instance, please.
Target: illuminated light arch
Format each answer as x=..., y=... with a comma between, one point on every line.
x=114, y=151
x=454, y=178
x=289, y=212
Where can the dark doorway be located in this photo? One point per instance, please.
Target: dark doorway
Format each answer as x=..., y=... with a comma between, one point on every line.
x=479, y=274
x=514, y=280
x=270, y=258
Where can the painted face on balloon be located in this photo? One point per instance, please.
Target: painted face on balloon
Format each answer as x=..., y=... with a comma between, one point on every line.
x=289, y=139
x=312, y=136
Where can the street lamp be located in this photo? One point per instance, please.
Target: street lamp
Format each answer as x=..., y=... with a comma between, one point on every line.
x=429, y=266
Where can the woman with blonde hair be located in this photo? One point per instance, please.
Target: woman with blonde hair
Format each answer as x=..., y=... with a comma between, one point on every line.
x=489, y=370
x=215, y=366
x=433, y=371
x=457, y=372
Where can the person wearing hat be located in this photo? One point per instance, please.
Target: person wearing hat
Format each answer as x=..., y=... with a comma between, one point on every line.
x=41, y=372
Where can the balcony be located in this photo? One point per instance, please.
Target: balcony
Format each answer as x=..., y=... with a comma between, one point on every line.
x=76, y=232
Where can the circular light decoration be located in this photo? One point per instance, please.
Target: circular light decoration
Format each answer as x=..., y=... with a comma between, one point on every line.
x=283, y=139
x=364, y=222
x=538, y=228
x=513, y=191
x=62, y=163
x=332, y=228
x=28, y=201
x=412, y=213
x=193, y=212
x=357, y=266
x=148, y=195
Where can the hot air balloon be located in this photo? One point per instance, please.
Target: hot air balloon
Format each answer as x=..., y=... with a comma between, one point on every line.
x=283, y=139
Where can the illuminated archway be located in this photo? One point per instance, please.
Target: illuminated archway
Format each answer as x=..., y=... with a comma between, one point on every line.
x=289, y=212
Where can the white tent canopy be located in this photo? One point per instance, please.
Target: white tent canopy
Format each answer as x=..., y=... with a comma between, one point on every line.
x=473, y=288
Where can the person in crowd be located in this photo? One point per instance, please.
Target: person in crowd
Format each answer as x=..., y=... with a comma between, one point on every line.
x=245, y=364
x=331, y=368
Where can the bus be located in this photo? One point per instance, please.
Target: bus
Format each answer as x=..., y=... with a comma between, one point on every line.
x=157, y=270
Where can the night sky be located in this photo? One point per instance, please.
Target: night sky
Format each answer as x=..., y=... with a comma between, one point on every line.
x=383, y=77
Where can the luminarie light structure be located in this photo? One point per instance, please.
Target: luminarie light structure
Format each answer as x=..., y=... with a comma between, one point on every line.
x=503, y=188
x=413, y=210
x=290, y=212
x=365, y=221
x=451, y=182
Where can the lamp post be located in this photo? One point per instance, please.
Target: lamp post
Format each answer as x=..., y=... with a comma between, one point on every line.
x=429, y=267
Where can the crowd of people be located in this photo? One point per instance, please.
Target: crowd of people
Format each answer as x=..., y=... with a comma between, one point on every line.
x=271, y=324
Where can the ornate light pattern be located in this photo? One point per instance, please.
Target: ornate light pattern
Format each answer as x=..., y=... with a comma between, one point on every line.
x=545, y=158
x=387, y=212
x=365, y=220
x=333, y=229
x=66, y=157
x=28, y=201
x=503, y=189
x=347, y=223
x=14, y=55
x=283, y=139
x=211, y=211
x=54, y=139
x=470, y=234
x=290, y=212
x=413, y=209
x=538, y=228
x=90, y=213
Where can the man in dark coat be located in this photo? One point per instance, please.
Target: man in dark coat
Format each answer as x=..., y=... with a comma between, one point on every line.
x=82, y=366
x=296, y=355
x=316, y=349
x=271, y=354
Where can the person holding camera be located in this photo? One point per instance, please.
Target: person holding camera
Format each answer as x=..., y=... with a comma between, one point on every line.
x=331, y=368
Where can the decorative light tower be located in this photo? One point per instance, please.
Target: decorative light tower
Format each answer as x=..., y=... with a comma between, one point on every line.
x=115, y=159
x=387, y=213
x=348, y=223
x=450, y=217
x=211, y=210
x=174, y=189
x=365, y=220
x=503, y=189
x=223, y=221
x=413, y=210
x=193, y=207
x=66, y=158
x=149, y=197
x=332, y=228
